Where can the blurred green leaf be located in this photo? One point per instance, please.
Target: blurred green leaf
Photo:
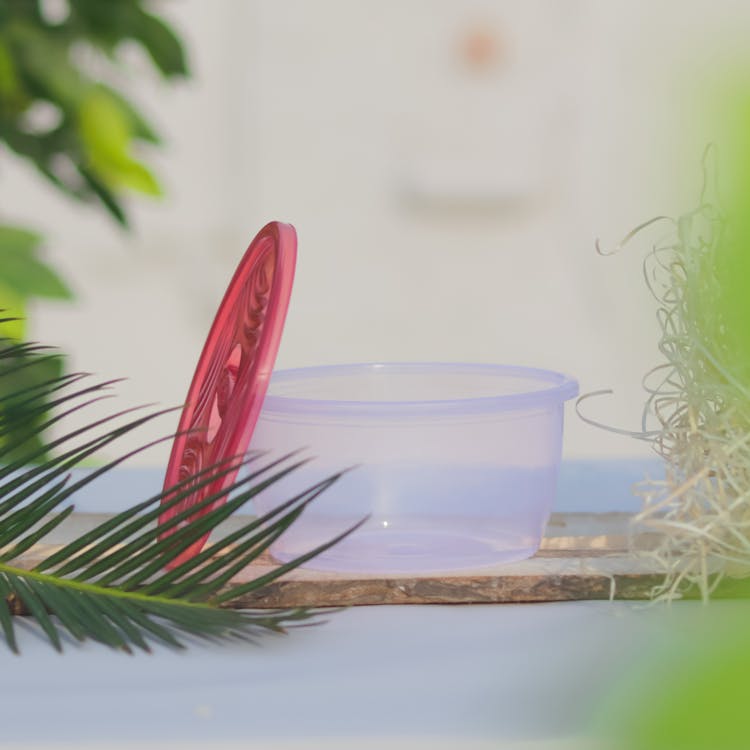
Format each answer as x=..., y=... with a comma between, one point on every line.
x=21, y=8
x=19, y=427
x=21, y=272
x=19, y=238
x=45, y=65
x=105, y=132
x=690, y=694
x=139, y=126
x=10, y=86
x=12, y=312
x=117, y=20
x=105, y=195
x=27, y=276
x=162, y=44
x=132, y=174
x=103, y=127
x=46, y=154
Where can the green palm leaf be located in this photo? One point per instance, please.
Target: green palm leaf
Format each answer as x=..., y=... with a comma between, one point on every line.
x=114, y=584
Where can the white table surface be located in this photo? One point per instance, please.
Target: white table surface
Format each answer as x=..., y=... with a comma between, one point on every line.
x=468, y=676
x=411, y=676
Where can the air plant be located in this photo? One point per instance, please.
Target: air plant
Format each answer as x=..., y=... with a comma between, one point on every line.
x=700, y=395
x=115, y=584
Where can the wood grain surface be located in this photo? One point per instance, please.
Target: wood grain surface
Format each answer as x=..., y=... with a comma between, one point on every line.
x=583, y=556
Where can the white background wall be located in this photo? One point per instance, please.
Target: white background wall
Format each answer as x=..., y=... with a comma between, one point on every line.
x=445, y=210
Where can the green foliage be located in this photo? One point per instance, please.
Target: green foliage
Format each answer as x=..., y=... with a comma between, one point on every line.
x=25, y=374
x=115, y=584
x=731, y=262
x=690, y=693
x=88, y=150
x=61, y=110
x=23, y=275
x=23, y=272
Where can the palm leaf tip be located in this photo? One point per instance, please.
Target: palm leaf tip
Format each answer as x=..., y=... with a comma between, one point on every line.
x=118, y=584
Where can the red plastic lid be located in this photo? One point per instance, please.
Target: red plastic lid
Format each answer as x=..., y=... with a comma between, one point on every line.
x=231, y=378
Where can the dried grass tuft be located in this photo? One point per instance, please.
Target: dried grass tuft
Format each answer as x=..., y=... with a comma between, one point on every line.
x=699, y=404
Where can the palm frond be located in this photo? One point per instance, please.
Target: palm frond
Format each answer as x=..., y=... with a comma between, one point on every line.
x=118, y=584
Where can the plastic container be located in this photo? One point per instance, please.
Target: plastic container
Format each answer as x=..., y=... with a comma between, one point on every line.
x=456, y=464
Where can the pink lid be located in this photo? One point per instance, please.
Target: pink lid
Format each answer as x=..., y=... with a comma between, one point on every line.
x=231, y=378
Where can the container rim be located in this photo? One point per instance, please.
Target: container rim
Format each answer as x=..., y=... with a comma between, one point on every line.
x=560, y=388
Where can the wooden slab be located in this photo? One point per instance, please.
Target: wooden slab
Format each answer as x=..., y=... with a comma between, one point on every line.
x=583, y=556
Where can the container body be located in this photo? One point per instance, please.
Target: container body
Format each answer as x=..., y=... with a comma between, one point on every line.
x=454, y=466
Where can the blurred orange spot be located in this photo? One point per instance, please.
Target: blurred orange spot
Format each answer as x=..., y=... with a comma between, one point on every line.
x=481, y=48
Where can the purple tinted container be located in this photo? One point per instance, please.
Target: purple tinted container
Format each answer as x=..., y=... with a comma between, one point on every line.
x=456, y=464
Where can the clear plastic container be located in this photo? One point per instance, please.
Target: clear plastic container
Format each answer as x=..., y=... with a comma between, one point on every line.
x=456, y=464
